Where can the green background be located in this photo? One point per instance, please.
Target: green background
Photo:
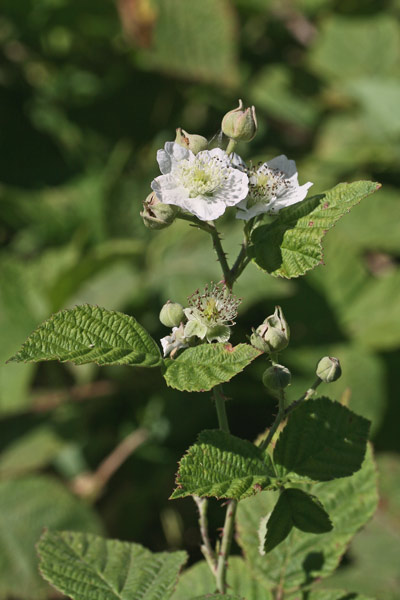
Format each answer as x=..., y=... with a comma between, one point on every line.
x=89, y=91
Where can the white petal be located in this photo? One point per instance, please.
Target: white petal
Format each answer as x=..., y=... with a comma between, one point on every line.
x=171, y=154
x=204, y=208
x=168, y=191
x=282, y=163
x=237, y=161
x=288, y=199
x=235, y=188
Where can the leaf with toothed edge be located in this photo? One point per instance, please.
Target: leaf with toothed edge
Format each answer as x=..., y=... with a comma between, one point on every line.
x=291, y=245
x=86, y=566
x=201, y=368
x=223, y=466
x=87, y=334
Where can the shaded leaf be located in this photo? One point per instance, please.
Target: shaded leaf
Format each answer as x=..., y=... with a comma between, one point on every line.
x=291, y=245
x=224, y=466
x=201, y=368
x=85, y=566
x=91, y=334
x=27, y=505
x=295, y=508
x=309, y=556
x=321, y=441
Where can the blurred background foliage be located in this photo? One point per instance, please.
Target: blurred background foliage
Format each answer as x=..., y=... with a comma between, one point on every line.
x=89, y=91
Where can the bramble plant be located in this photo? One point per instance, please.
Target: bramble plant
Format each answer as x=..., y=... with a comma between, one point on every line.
x=299, y=493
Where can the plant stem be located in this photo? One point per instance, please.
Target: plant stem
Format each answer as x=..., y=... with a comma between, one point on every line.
x=305, y=396
x=231, y=146
x=219, y=400
x=206, y=548
x=278, y=419
x=220, y=254
x=226, y=542
x=284, y=412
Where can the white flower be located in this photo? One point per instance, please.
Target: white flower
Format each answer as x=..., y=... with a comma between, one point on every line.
x=203, y=184
x=211, y=312
x=174, y=342
x=272, y=186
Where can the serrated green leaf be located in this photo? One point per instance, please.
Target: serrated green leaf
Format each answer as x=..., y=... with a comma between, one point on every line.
x=85, y=566
x=91, y=334
x=201, y=368
x=27, y=505
x=291, y=245
x=196, y=40
x=295, y=508
x=198, y=579
x=350, y=502
x=321, y=441
x=224, y=466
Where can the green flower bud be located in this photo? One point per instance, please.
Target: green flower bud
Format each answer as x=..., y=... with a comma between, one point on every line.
x=192, y=141
x=240, y=124
x=171, y=314
x=329, y=369
x=276, y=379
x=273, y=334
x=157, y=215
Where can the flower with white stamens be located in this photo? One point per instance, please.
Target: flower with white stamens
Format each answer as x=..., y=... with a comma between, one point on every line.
x=203, y=185
x=272, y=186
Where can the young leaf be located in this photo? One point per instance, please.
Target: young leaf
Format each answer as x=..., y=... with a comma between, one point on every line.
x=321, y=441
x=201, y=368
x=350, y=503
x=27, y=505
x=85, y=566
x=295, y=508
x=223, y=466
x=291, y=245
x=91, y=334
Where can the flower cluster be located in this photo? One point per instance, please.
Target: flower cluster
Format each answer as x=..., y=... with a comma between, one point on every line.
x=206, y=183
x=209, y=316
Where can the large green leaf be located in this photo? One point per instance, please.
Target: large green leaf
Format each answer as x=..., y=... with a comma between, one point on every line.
x=85, y=566
x=322, y=440
x=91, y=334
x=201, y=368
x=303, y=557
x=27, y=505
x=196, y=40
x=198, y=579
x=295, y=508
x=291, y=245
x=224, y=466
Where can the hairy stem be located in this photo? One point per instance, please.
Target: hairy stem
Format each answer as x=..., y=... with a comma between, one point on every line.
x=305, y=396
x=231, y=146
x=220, y=254
x=229, y=524
x=206, y=548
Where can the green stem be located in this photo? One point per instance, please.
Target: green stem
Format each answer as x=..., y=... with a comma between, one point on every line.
x=226, y=542
x=220, y=254
x=302, y=398
x=219, y=400
x=231, y=146
x=206, y=548
x=278, y=419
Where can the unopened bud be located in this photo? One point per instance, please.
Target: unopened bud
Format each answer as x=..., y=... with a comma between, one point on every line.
x=157, y=215
x=171, y=314
x=329, y=369
x=192, y=141
x=240, y=124
x=276, y=379
x=273, y=334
